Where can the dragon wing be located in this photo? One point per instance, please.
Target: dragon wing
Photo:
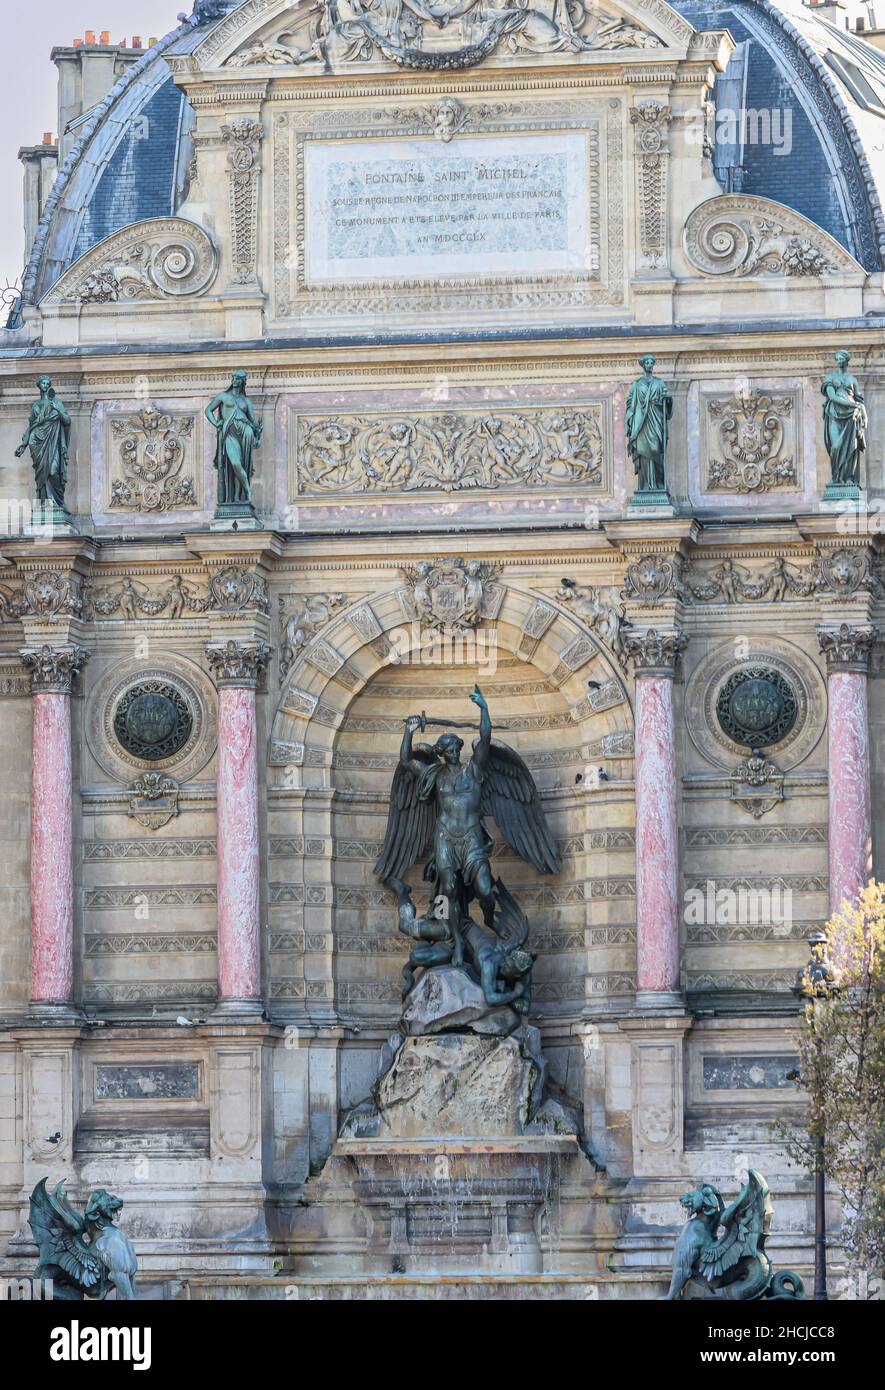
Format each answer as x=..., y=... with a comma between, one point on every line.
x=409, y=821
x=745, y=1224
x=512, y=926
x=510, y=797
x=57, y=1228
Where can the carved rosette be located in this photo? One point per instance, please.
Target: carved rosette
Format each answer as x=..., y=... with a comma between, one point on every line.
x=243, y=136
x=846, y=648
x=52, y=669
x=654, y=653
x=651, y=119
x=238, y=663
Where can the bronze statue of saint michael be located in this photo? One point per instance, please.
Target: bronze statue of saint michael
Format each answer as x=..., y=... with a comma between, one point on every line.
x=438, y=799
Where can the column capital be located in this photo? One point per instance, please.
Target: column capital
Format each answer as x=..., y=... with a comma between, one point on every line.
x=654, y=653
x=53, y=669
x=846, y=648
x=238, y=663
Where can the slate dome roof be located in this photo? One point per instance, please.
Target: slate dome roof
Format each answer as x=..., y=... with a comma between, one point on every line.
x=131, y=159
x=792, y=59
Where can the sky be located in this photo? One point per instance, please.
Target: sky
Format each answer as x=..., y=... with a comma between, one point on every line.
x=28, y=94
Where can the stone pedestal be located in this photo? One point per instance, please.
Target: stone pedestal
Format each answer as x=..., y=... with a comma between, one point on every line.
x=658, y=1086
x=448, y=1205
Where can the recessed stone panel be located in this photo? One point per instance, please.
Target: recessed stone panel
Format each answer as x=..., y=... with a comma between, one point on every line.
x=148, y=1081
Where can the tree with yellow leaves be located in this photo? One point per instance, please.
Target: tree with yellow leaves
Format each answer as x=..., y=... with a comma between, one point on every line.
x=842, y=1069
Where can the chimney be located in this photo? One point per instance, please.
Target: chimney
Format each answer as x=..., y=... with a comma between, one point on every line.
x=40, y=167
x=136, y=40
x=86, y=73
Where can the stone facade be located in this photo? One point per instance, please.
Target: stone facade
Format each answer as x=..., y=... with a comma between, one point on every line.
x=199, y=972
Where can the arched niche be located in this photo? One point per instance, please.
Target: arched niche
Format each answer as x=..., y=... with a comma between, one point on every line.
x=334, y=745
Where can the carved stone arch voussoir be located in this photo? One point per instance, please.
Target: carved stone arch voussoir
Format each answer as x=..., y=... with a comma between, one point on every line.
x=341, y=661
x=160, y=258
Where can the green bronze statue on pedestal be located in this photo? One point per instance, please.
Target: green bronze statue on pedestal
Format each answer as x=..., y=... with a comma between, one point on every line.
x=845, y=424
x=85, y=1256
x=734, y=1264
x=47, y=436
x=647, y=423
x=238, y=428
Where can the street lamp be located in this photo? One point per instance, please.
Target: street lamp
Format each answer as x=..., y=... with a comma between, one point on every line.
x=817, y=982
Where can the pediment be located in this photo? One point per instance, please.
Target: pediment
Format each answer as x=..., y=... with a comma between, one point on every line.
x=437, y=35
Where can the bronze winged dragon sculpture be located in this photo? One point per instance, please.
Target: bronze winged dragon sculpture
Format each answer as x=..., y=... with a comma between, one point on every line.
x=84, y=1256
x=733, y=1265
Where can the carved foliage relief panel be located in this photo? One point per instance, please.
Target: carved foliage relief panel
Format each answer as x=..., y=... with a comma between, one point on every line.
x=751, y=438
x=513, y=205
x=349, y=455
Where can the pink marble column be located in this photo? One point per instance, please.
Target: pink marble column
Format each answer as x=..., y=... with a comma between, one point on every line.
x=847, y=650
x=657, y=839
x=52, y=870
x=237, y=667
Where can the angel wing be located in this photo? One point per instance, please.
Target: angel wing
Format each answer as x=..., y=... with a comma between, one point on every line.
x=745, y=1224
x=409, y=821
x=512, y=925
x=510, y=797
x=57, y=1230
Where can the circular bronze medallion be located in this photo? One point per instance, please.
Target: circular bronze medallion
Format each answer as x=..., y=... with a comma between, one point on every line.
x=152, y=721
x=756, y=706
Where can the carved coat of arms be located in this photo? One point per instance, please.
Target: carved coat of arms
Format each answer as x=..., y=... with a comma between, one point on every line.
x=449, y=595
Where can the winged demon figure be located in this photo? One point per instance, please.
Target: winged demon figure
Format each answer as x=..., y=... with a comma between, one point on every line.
x=436, y=800
x=84, y=1256
x=734, y=1264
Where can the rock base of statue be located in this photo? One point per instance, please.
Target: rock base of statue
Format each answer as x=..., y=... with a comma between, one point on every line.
x=235, y=516
x=457, y=1154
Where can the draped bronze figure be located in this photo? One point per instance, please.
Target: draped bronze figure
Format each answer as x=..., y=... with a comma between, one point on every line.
x=47, y=437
